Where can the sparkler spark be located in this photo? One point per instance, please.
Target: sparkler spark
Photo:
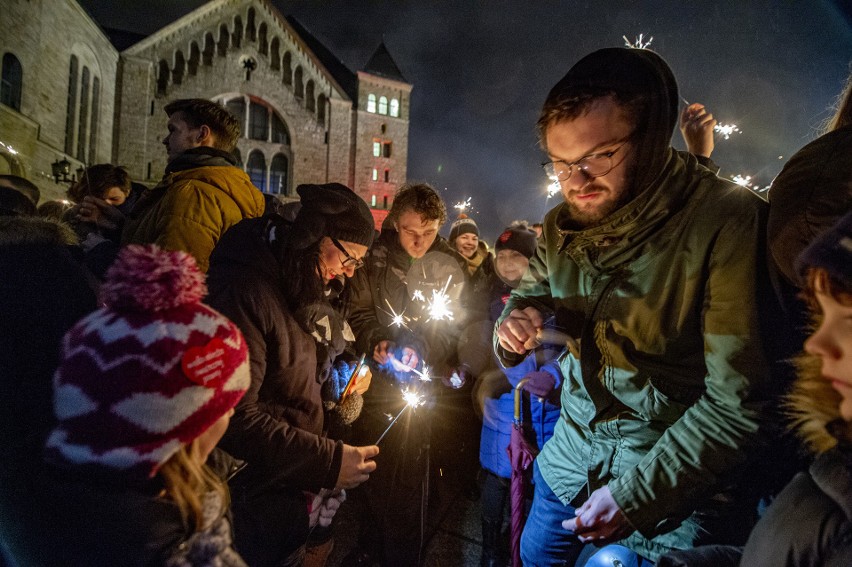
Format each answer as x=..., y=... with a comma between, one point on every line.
x=727, y=129
x=417, y=296
x=462, y=206
x=640, y=42
x=412, y=400
x=439, y=305
x=552, y=188
x=398, y=319
x=744, y=181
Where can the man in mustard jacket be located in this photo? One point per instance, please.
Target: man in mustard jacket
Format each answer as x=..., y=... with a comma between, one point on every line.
x=654, y=266
x=203, y=192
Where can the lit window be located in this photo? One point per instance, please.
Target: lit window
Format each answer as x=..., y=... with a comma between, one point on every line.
x=377, y=148
x=394, y=108
x=371, y=103
x=373, y=201
x=383, y=105
x=10, y=86
x=375, y=174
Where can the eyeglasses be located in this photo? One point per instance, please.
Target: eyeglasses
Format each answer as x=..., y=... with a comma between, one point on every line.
x=594, y=165
x=350, y=261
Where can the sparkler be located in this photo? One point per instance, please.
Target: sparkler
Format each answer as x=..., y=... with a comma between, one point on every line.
x=727, y=129
x=439, y=305
x=553, y=188
x=640, y=42
x=462, y=206
x=417, y=296
x=412, y=400
x=744, y=181
x=398, y=319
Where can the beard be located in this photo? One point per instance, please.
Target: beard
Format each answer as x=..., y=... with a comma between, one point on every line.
x=583, y=218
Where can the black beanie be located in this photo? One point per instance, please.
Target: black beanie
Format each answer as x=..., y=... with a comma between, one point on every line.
x=519, y=238
x=463, y=225
x=333, y=210
x=831, y=251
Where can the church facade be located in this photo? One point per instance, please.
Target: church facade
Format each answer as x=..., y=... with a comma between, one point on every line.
x=306, y=118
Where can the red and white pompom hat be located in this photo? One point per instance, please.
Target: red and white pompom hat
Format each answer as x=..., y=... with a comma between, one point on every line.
x=148, y=372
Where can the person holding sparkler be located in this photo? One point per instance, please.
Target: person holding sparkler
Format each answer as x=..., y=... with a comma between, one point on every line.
x=275, y=278
x=654, y=265
x=405, y=313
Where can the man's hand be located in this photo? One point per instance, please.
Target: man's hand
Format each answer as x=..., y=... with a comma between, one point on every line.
x=99, y=212
x=383, y=351
x=362, y=381
x=356, y=465
x=697, y=128
x=410, y=358
x=518, y=328
x=599, y=520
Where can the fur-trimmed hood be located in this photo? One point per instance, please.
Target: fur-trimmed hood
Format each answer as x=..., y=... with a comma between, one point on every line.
x=18, y=230
x=814, y=407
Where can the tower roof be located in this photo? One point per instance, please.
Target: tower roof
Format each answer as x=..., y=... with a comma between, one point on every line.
x=383, y=65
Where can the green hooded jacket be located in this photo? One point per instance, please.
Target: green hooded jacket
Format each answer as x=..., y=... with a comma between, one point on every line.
x=664, y=376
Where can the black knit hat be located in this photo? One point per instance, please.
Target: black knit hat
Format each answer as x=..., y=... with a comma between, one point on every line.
x=831, y=251
x=463, y=225
x=518, y=237
x=333, y=210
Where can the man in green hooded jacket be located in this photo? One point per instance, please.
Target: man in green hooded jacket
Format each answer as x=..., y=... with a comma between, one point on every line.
x=654, y=266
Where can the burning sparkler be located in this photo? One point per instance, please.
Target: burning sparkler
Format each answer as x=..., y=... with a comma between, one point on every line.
x=727, y=129
x=463, y=206
x=412, y=400
x=417, y=296
x=553, y=188
x=398, y=319
x=640, y=42
x=439, y=305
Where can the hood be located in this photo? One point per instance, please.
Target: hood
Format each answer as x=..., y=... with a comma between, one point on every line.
x=814, y=406
x=229, y=179
x=18, y=230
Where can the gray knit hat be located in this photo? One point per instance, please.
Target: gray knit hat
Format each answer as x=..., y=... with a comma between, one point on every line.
x=831, y=251
x=333, y=210
x=463, y=225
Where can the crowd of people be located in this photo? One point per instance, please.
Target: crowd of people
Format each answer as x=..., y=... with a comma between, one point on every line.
x=199, y=374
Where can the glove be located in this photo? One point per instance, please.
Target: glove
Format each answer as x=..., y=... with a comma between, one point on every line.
x=540, y=383
x=333, y=387
x=458, y=378
x=323, y=506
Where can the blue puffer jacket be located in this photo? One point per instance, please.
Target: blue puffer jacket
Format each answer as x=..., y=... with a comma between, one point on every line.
x=498, y=414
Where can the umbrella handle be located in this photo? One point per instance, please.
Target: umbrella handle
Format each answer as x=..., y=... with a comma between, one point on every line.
x=518, y=392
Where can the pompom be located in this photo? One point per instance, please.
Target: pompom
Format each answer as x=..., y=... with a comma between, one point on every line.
x=148, y=278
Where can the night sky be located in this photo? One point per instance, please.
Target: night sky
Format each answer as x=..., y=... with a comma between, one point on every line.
x=481, y=71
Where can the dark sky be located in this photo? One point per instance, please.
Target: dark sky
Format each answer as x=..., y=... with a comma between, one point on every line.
x=481, y=70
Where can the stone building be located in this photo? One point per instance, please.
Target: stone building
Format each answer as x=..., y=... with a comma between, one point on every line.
x=306, y=117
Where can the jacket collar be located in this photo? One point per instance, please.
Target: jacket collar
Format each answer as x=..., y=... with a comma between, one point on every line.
x=201, y=157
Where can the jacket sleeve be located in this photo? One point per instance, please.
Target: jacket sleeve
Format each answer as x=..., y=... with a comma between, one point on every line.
x=362, y=315
x=714, y=436
x=257, y=434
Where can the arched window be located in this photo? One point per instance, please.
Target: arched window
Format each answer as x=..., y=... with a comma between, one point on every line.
x=258, y=122
x=371, y=102
x=209, y=48
x=321, y=104
x=280, y=135
x=250, y=29
x=194, y=58
x=93, y=127
x=11, y=82
x=278, y=175
x=180, y=66
x=262, y=44
x=224, y=38
x=299, y=87
x=383, y=105
x=310, y=101
x=71, y=108
x=237, y=36
x=274, y=54
x=163, y=77
x=239, y=156
x=287, y=69
x=394, y=107
x=256, y=169
x=237, y=107
x=83, y=116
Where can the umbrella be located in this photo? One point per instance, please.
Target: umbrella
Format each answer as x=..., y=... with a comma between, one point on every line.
x=521, y=456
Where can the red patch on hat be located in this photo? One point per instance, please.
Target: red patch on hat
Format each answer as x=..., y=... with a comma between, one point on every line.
x=205, y=365
x=507, y=234
x=505, y=298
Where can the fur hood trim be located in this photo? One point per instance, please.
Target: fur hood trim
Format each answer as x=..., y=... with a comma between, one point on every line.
x=21, y=230
x=814, y=406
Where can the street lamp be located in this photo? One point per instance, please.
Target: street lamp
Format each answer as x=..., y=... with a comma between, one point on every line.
x=60, y=170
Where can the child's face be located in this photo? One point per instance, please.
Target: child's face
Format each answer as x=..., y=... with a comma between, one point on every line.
x=114, y=196
x=832, y=343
